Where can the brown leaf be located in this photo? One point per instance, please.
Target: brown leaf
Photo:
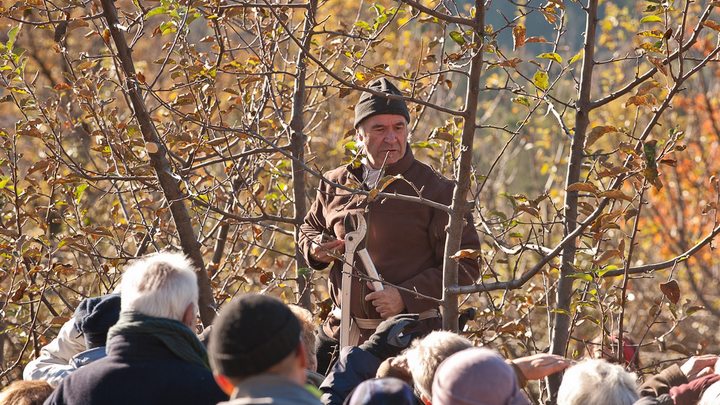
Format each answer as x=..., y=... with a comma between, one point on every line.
x=712, y=24
x=597, y=132
x=646, y=87
x=540, y=40
x=467, y=254
x=19, y=291
x=59, y=320
x=607, y=255
x=658, y=64
x=518, y=36
x=583, y=186
x=616, y=194
x=671, y=290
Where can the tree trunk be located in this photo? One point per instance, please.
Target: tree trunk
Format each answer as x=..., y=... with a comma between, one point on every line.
x=297, y=148
x=563, y=297
x=460, y=206
x=158, y=159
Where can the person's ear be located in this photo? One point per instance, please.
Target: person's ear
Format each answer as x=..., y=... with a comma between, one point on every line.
x=189, y=316
x=302, y=355
x=224, y=383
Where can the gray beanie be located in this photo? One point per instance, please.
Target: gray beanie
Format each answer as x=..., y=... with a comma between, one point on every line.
x=476, y=376
x=370, y=104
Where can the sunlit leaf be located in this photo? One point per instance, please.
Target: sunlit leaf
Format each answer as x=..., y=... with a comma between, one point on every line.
x=457, y=37
x=541, y=80
x=551, y=55
x=518, y=36
x=651, y=19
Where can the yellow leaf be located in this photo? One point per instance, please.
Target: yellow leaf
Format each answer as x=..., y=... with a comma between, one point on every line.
x=551, y=55
x=577, y=56
x=541, y=80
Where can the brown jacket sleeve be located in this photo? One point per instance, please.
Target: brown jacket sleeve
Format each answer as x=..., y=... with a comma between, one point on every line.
x=429, y=281
x=661, y=383
x=312, y=226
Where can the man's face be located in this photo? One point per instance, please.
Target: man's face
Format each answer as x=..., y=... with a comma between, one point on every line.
x=384, y=135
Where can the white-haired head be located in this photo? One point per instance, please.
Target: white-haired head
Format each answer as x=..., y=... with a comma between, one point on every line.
x=426, y=354
x=597, y=382
x=162, y=285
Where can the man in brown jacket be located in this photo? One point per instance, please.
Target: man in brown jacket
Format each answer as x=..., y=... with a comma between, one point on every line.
x=405, y=239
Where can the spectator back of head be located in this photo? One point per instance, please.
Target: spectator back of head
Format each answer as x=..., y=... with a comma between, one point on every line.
x=25, y=393
x=251, y=334
x=161, y=285
x=426, y=354
x=382, y=391
x=94, y=316
x=476, y=376
x=581, y=383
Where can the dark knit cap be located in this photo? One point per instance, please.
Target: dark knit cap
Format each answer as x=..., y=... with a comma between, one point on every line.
x=251, y=334
x=382, y=391
x=94, y=316
x=370, y=104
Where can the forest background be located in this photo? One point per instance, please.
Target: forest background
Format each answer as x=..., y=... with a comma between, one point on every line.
x=585, y=134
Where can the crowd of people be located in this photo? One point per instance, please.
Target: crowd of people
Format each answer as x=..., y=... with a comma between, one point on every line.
x=140, y=347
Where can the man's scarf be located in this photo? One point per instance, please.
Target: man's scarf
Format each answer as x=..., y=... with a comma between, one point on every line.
x=175, y=335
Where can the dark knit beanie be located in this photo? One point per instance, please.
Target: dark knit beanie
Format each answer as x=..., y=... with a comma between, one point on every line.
x=251, y=334
x=94, y=316
x=382, y=391
x=370, y=104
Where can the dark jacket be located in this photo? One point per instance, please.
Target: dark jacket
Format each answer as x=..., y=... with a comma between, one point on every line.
x=138, y=369
x=354, y=366
x=406, y=240
x=268, y=389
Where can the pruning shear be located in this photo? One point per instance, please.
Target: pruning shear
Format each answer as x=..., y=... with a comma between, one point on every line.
x=355, y=233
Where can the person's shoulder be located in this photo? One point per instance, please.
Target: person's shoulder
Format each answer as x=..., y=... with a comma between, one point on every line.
x=432, y=181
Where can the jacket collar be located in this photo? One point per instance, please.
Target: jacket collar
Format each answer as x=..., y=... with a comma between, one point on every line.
x=270, y=385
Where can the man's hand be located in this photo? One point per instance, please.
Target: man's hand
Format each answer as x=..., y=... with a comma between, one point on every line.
x=327, y=252
x=541, y=365
x=387, y=302
x=698, y=366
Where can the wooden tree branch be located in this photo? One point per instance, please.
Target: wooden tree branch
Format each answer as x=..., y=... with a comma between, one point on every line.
x=459, y=205
x=298, y=142
x=158, y=159
x=561, y=326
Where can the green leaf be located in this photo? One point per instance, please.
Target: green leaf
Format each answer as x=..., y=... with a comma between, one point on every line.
x=581, y=276
x=4, y=181
x=79, y=191
x=457, y=37
x=541, y=80
x=551, y=55
x=364, y=25
x=521, y=100
x=577, y=56
x=651, y=19
x=12, y=36
x=156, y=11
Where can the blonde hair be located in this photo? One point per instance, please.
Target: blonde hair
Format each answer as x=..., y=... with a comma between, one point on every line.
x=26, y=393
x=426, y=354
x=307, y=334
